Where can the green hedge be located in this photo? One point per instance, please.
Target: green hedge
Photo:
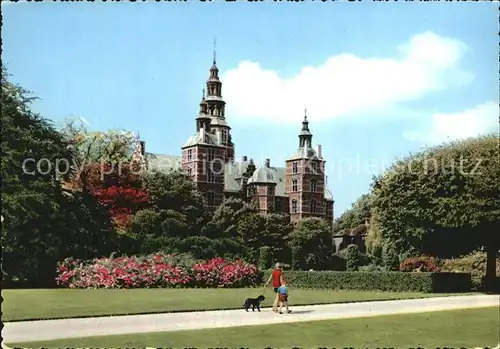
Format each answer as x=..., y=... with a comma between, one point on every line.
x=380, y=281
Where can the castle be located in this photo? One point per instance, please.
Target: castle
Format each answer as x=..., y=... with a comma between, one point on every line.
x=298, y=189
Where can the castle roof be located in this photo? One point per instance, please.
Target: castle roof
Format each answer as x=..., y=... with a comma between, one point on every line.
x=233, y=173
x=204, y=138
x=264, y=175
x=304, y=152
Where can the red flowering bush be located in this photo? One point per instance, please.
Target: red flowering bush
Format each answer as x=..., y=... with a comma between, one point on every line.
x=156, y=270
x=122, y=202
x=423, y=264
x=123, y=272
x=218, y=272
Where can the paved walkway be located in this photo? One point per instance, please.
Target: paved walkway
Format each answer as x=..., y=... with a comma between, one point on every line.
x=27, y=331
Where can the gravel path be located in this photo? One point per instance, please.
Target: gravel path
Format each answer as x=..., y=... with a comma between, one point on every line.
x=26, y=331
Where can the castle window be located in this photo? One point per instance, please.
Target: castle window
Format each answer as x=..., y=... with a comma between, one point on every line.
x=313, y=206
x=210, y=176
x=190, y=154
x=211, y=154
x=295, y=167
x=211, y=198
x=189, y=172
x=314, y=167
x=294, y=206
x=224, y=135
x=313, y=185
x=270, y=190
x=294, y=185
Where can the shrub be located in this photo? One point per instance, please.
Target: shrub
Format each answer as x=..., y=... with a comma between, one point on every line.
x=473, y=263
x=353, y=258
x=379, y=281
x=122, y=272
x=372, y=268
x=337, y=263
x=157, y=270
x=265, y=258
x=219, y=272
x=202, y=247
x=390, y=258
x=422, y=263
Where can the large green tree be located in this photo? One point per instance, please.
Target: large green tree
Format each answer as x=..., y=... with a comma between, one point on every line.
x=43, y=223
x=227, y=217
x=359, y=212
x=177, y=209
x=444, y=201
x=311, y=244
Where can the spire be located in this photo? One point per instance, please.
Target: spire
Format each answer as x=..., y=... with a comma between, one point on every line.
x=305, y=125
x=215, y=51
x=305, y=136
x=203, y=103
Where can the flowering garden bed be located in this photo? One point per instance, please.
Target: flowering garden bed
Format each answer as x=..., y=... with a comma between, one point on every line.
x=155, y=271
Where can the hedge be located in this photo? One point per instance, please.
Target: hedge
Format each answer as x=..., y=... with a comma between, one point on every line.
x=379, y=281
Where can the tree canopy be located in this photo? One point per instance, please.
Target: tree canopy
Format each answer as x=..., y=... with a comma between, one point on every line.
x=444, y=201
x=43, y=223
x=356, y=215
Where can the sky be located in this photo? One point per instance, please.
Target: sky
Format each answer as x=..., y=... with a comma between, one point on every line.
x=379, y=80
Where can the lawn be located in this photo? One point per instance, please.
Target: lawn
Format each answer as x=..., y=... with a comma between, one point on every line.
x=65, y=303
x=453, y=329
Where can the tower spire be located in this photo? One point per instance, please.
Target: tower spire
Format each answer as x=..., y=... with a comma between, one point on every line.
x=215, y=49
x=305, y=136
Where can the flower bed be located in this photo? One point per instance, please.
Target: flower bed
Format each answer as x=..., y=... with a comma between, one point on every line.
x=219, y=273
x=152, y=271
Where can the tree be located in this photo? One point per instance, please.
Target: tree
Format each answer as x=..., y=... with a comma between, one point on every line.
x=226, y=218
x=43, y=223
x=373, y=238
x=311, y=244
x=443, y=201
x=353, y=258
x=390, y=257
x=122, y=202
x=103, y=166
x=180, y=206
x=277, y=227
x=251, y=229
x=96, y=154
x=356, y=215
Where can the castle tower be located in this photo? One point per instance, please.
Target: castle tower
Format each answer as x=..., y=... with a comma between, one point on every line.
x=216, y=110
x=203, y=158
x=262, y=188
x=305, y=178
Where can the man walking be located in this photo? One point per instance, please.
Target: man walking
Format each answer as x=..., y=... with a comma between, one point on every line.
x=277, y=279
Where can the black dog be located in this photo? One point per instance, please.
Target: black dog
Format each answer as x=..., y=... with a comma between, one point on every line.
x=253, y=302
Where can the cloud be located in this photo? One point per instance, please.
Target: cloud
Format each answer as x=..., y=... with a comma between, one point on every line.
x=346, y=85
x=443, y=127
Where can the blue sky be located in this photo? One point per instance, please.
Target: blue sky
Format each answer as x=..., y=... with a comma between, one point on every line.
x=379, y=79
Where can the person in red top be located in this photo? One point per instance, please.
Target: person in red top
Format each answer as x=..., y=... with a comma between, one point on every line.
x=277, y=279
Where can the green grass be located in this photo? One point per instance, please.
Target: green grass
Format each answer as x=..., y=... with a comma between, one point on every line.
x=65, y=303
x=456, y=329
